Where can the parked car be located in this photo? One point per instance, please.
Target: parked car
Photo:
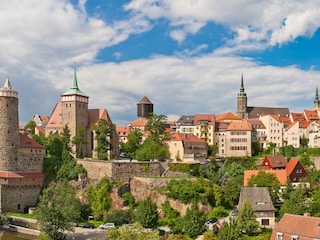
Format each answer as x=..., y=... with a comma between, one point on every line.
x=107, y=225
x=87, y=225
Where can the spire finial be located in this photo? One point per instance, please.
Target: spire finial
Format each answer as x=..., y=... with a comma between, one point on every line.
x=242, y=85
x=75, y=81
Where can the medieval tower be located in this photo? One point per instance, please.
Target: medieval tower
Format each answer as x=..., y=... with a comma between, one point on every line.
x=74, y=104
x=144, y=108
x=242, y=102
x=21, y=158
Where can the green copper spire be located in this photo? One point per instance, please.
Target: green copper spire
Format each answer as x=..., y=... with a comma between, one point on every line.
x=74, y=88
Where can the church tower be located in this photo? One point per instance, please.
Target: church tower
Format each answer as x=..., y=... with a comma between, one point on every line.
x=144, y=108
x=74, y=108
x=242, y=102
x=316, y=103
x=9, y=127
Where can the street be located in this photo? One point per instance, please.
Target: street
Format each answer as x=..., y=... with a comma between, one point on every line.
x=87, y=234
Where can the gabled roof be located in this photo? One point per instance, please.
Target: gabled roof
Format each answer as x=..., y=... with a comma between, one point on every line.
x=123, y=130
x=281, y=174
x=186, y=120
x=227, y=117
x=27, y=142
x=254, y=112
x=239, y=126
x=277, y=161
x=291, y=165
x=298, y=117
x=306, y=227
x=311, y=115
x=95, y=114
x=55, y=118
x=139, y=123
x=204, y=117
x=256, y=123
x=185, y=137
x=259, y=198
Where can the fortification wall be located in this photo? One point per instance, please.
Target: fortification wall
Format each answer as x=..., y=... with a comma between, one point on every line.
x=30, y=160
x=120, y=170
x=16, y=199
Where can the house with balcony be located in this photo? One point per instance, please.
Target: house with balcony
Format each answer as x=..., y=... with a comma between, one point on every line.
x=186, y=147
x=204, y=127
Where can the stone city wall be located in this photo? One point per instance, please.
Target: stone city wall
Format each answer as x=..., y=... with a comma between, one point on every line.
x=120, y=170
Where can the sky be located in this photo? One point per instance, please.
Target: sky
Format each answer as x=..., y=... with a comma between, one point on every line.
x=186, y=56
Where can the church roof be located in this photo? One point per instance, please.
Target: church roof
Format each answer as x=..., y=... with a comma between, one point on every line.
x=74, y=90
x=27, y=142
x=254, y=112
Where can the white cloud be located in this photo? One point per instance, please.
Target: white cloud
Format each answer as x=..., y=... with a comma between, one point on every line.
x=250, y=20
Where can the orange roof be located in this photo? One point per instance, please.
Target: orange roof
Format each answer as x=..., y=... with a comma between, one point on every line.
x=256, y=123
x=204, y=117
x=243, y=126
x=139, y=123
x=123, y=130
x=185, y=137
x=291, y=165
x=55, y=118
x=281, y=174
x=306, y=227
x=227, y=116
x=298, y=117
x=7, y=174
x=27, y=142
x=311, y=115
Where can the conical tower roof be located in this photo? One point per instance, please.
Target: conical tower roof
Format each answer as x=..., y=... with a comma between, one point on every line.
x=145, y=100
x=74, y=90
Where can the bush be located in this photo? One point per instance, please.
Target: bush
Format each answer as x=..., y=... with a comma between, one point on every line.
x=118, y=217
x=218, y=212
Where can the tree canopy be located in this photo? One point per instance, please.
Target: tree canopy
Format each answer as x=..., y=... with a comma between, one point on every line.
x=57, y=210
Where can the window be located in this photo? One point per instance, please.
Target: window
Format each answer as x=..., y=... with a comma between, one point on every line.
x=265, y=222
x=279, y=235
x=294, y=237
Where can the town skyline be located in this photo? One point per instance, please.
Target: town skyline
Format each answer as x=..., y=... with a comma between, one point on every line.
x=187, y=57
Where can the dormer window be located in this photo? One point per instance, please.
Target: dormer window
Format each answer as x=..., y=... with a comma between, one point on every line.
x=279, y=235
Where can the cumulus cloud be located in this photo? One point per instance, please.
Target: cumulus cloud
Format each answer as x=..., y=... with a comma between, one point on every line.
x=249, y=20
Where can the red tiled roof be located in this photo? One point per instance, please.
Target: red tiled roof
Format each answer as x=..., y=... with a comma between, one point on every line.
x=311, y=115
x=8, y=174
x=185, y=137
x=27, y=142
x=306, y=227
x=291, y=165
x=227, y=116
x=281, y=174
x=139, y=123
x=204, y=117
x=241, y=126
x=123, y=130
x=278, y=161
x=55, y=118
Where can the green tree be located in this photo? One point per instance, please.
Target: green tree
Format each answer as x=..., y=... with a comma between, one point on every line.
x=99, y=198
x=269, y=180
x=212, y=171
x=246, y=219
x=65, y=136
x=133, y=143
x=104, y=131
x=30, y=127
x=296, y=204
x=146, y=213
x=194, y=221
x=118, y=217
x=57, y=209
x=135, y=232
x=150, y=149
x=156, y=127
x=80, y=141
x=69, y=169
x=229, y=231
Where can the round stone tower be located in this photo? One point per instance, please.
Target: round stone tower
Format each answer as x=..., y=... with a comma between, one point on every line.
x=9, y=128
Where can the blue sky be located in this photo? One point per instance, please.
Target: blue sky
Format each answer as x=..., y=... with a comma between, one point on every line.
x=186, y=56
